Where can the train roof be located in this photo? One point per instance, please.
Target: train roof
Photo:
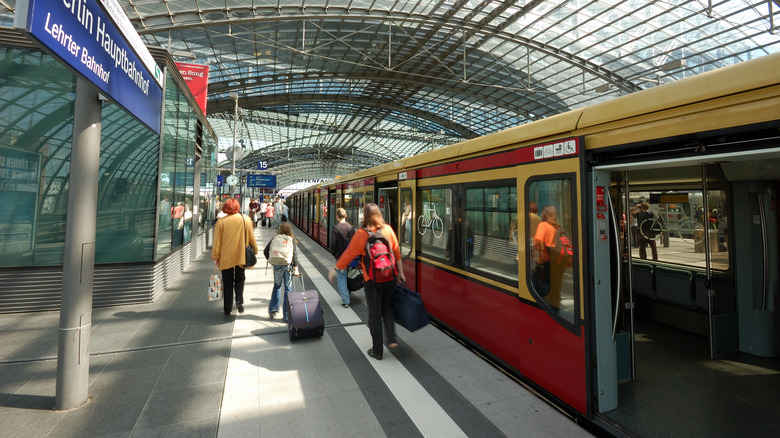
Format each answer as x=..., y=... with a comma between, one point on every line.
x=750, y=75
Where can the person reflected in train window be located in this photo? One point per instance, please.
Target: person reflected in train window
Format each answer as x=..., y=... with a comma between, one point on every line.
x=533, y=216
x=339, y=241
x=635, y=227
x=464, y=248
x=645, y=219
x=407, y=219
x=513, y=234
x=551, y=268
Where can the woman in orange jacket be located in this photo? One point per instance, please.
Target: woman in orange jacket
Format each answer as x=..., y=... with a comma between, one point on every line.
x=379, y=295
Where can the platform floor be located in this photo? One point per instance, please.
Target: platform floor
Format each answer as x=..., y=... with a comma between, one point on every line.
x=179, y=368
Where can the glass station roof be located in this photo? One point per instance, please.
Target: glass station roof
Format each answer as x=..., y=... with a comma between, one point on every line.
x=327, y=87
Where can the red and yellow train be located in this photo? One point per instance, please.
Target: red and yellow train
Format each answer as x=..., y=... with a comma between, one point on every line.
x=699, y=150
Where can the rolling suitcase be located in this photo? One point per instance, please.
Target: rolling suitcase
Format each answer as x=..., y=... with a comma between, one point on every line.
x=304, y=314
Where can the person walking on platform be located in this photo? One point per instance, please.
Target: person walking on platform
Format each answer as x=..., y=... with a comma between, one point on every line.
x=379, y=294
x=253, y=206
x=232, y=234
x=278, y=212
x=269, y=215
x=282, y=270
x=339, y=241
x=261, y=215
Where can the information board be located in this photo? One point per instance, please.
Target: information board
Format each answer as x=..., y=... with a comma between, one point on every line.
x=261, y=181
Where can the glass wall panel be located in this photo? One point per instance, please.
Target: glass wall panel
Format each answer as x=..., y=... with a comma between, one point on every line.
x=186, y=165
x=36, y=122
x=168, y=200
x=127, y=189
x=208, y=195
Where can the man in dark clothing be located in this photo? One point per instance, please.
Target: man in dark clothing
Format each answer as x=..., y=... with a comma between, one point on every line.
x=339, y=241
x=645, y=220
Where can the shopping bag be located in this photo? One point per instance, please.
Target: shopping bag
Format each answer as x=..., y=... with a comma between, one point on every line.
x=409, y=310
x=215, y=285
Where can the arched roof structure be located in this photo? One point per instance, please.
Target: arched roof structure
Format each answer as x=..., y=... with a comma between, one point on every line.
x=326, y=87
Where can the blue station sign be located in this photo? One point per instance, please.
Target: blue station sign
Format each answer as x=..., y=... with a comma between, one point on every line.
x=98, y=42
x=261, y=181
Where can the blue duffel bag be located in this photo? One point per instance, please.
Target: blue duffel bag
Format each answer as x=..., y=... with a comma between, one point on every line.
x=409, y=310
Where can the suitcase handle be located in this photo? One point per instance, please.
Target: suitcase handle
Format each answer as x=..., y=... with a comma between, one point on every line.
x=303, y=285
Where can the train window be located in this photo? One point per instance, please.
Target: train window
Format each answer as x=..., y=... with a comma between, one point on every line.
x=348, y=207
x=550, y=251
x=434, y=211
x=491, y=217
x=407, y=216
x=357, y=210
x=669, y=226
x=323, y=209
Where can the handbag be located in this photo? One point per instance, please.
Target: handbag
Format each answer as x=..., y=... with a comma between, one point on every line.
x=409, y=310
x=354, y=279
x=251, y=258
x=215, y=285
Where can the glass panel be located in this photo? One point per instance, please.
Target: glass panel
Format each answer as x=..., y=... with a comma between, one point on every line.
x=127, y=189
x=434, y=219
x=168, y=170
x=407, y=221
x=348, y=207
x=324, y=208
x=187, y=166
x=491, y=218
x=669, y=226
x=357, y=210
x=551, y=255
x=36, y=122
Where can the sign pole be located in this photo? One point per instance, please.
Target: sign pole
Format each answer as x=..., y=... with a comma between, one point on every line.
x=78, y=266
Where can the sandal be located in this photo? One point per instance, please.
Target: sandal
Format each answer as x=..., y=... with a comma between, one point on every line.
x=374, y=355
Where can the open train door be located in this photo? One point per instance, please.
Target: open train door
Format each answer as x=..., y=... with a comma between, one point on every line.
x=603, y=240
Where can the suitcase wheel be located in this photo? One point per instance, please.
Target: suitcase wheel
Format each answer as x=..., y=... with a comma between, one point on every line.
x=292, y=336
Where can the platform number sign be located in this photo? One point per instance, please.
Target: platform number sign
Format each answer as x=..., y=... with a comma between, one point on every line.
x=262, y=165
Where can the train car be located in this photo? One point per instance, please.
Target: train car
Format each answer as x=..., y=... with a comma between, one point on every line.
x=581, y=250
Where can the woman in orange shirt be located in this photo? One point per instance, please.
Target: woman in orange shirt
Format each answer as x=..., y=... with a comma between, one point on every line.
x=379, y=296
x=544, y=243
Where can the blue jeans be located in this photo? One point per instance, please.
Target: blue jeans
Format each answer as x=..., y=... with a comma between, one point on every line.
x=341, y=276
x=281, y=273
